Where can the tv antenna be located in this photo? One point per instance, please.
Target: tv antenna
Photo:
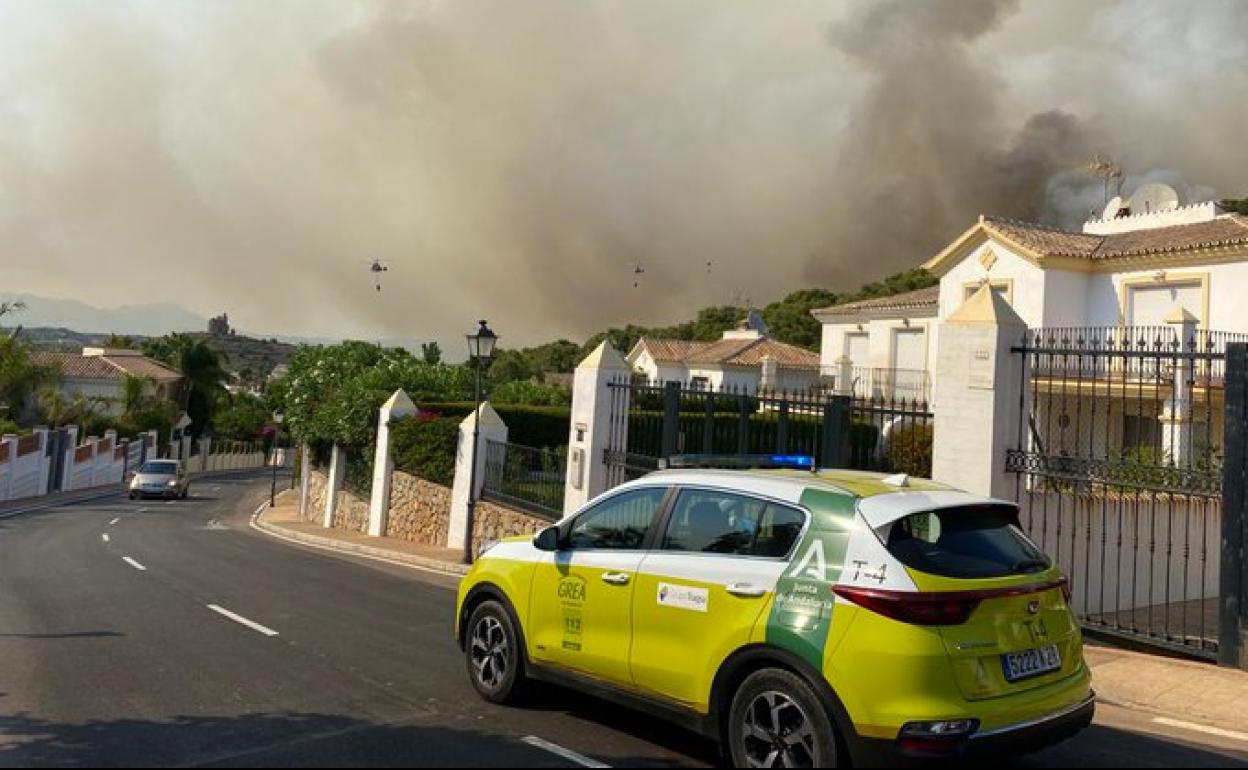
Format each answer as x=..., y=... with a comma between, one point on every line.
x=1104, y=168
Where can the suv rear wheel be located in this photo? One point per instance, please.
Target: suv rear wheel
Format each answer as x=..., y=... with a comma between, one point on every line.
x=492, y=653
x=777, y=720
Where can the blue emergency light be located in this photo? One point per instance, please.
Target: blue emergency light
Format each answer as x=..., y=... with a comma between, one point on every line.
x=741, y=462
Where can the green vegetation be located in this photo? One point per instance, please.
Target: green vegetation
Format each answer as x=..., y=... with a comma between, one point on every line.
x=1236, y=205
x=203, y=370
x=425, y=446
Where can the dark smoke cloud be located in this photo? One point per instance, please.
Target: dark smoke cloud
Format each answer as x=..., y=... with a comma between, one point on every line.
x=512, y=160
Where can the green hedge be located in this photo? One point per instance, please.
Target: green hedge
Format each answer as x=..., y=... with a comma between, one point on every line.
x=425, y=447
x=545, y=427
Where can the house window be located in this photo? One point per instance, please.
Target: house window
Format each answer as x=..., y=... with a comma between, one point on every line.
x=910, y=349
x=1149, y=305
x=700, y=383
x=857, y=347
x=1140, y=432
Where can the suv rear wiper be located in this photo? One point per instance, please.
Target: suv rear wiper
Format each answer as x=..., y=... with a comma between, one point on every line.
x=1031, y=565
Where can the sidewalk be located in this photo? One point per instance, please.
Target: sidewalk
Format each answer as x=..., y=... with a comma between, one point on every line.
x=1179, y=689
x=284, y=522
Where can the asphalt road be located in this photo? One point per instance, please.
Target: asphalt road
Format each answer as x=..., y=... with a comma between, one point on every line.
x=173, y=634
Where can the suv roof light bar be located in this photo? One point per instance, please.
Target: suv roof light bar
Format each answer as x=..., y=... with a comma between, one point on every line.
x=740, y=462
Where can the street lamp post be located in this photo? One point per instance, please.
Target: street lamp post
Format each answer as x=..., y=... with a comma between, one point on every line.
x=278, y=417
x=480, y=350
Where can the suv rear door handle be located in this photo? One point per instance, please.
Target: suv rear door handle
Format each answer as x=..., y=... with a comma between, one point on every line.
x=615, y=578
x=748, y=590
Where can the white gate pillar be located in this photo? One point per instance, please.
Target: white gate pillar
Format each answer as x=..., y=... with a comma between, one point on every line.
x=492, y=429
x=337, y=468
x=305, y=478
x=1177, y=422
x=978, y=382
x=591, y=434
x=399, y=405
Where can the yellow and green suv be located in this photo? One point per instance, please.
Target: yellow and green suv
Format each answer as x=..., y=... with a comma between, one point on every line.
x=802, y=618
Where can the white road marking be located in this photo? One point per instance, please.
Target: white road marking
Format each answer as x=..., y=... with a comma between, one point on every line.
x=104, y=537
x=134, y=564
x=253, y=625
x=1218, y=731
x=114, y=521
x=143, y=510
x=560, y=751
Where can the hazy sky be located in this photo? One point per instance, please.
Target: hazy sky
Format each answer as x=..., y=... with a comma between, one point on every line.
x=511, y=159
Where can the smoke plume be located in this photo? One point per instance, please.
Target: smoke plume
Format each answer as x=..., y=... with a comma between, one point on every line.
x=514, y=161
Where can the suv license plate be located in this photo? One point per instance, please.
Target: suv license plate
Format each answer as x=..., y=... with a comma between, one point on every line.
x=1029, y=663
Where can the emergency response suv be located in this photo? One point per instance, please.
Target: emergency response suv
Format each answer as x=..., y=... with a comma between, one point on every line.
x=803, y=618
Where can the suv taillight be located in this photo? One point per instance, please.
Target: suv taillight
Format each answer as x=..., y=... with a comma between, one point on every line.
x=946, y=608
x=920, y=609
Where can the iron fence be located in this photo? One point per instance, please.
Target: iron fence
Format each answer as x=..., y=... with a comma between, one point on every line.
x=1118, y=464
x=527, y=478
x=649, y=422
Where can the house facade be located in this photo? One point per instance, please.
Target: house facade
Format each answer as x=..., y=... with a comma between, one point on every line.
x=98, y=374
x=1128, y=272
x=743, y=359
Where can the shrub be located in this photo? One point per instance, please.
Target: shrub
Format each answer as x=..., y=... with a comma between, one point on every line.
x=544, y=427
x=529, y=393
x=425, y=446
x=910, y=449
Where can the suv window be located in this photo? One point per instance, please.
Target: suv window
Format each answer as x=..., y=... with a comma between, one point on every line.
x=722, y=522
x=620, y=522
x=979, y=541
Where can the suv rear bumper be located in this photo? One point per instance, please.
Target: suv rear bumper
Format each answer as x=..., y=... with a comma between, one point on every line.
x=1013, y=740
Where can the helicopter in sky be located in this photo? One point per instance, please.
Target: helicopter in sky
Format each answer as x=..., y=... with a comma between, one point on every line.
x=377, y=267
x=638, y=271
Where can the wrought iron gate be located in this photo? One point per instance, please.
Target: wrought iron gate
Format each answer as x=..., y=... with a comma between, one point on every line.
x=1119, y=463
x=649, y=422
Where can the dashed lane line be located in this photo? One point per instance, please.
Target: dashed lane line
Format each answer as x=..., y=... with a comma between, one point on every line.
x=104, y=537
x=114, y=521
x=134, y=564
x=560, y=751
x=253, y=625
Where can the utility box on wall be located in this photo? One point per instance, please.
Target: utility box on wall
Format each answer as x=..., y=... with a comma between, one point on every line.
x=576, y=468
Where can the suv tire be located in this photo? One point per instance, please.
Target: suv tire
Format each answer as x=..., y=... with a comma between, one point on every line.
x=776, y=719
x=492, y=654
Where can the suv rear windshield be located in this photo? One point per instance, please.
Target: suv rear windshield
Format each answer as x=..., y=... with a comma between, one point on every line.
x=982, y=541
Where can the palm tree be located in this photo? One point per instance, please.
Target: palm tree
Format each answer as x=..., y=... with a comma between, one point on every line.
x=204, y=375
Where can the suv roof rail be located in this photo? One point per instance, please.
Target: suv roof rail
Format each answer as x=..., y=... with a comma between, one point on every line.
x=740, y=462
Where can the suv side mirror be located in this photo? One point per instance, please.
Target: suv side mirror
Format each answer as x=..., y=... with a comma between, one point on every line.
x=547, y=539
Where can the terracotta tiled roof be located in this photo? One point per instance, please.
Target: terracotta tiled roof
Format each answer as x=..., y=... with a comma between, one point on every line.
x=104, y=367
x=663, y=349
x=731, y=352
x=1050, y=241
x=920, y=299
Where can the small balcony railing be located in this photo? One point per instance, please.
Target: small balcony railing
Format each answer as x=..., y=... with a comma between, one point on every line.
x=880, y=383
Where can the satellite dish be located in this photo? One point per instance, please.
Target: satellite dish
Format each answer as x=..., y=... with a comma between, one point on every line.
x=1112, y=208
x=1153, y=198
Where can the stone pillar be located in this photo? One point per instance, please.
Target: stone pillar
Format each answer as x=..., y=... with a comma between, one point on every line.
x=337, y=469
x=590, y=434
x=1177, y=423
x=845, y=376
x=8, y=466
x=978, y=384
x=398, y=406
x=492, y=429
x=71, y=445
x=770, y=375
x=45, y=462
x=305, y=478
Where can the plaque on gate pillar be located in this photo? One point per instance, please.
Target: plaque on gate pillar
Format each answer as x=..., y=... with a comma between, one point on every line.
x=983, y=374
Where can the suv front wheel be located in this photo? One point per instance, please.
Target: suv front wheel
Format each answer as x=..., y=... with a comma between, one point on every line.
x=492, y=652
x=777, y=720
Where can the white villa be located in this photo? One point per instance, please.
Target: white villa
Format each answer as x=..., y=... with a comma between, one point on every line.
x=1127, y=271
x=745, y=358
x=97, y=374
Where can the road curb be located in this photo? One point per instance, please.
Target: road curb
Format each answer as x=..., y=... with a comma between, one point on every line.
x=355, y=549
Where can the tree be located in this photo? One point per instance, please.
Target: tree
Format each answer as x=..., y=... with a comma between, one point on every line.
x=11, y=307
x=509, y=366
x=118, y=341
x=20, y=378
x=789, y=320
x=431, y=352
x=1235, y=205
x=241, y=417
x=201, y=366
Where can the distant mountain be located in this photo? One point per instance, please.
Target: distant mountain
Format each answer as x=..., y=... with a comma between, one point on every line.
x=152, y=319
